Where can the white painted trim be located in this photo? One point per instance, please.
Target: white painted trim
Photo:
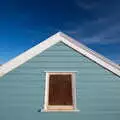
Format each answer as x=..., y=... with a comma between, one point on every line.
x=90, y=53
x=62, y=71
x=76, y=110
x=106, y=63
x=24, y=57
x=47, y=90
x=74, y=90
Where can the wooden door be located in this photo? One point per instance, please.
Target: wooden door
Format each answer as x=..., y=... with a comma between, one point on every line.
x=60, y=90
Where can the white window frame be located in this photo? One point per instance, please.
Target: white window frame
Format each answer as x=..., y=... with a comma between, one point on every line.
x=60, y=108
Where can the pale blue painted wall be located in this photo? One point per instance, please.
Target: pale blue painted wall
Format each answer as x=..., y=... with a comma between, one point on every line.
x=22, y=90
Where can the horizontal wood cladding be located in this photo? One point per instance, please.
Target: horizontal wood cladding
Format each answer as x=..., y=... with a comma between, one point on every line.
x=22, y=90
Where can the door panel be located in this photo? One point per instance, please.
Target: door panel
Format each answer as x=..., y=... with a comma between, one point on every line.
x=60, y=89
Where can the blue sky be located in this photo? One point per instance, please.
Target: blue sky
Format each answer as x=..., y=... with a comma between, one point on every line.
x=25, y=23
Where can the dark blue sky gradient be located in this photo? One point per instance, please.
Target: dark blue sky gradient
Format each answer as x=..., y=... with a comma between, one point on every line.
x=25, y=23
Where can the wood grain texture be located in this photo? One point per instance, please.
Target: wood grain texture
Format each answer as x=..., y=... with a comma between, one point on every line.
x=60, y=90
x=22, y=90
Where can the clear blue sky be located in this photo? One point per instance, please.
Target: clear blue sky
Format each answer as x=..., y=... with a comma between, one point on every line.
x=25, y=23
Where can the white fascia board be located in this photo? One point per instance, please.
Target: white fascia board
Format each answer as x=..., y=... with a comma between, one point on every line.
x=106, y=63
x=22, y=58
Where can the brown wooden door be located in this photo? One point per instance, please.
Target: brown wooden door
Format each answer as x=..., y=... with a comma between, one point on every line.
x=60, y=89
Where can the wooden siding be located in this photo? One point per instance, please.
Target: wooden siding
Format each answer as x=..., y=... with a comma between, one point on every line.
x=22, y=90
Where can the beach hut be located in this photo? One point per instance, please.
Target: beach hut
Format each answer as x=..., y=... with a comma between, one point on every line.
x=58, y=79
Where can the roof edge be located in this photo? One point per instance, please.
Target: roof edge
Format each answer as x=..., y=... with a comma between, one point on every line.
x=98, y=58
x=32, y=52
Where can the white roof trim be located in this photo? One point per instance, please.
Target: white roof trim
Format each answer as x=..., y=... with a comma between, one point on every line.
x=22, y=58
